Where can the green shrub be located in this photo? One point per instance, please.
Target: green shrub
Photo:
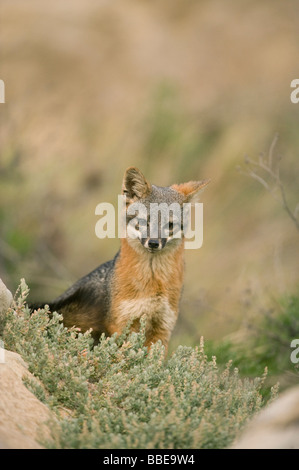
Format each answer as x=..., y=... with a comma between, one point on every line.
x=118, y=394
x=266, y=342
x=272, y=335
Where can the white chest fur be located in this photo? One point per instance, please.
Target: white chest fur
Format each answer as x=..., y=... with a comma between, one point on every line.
x=154, y=308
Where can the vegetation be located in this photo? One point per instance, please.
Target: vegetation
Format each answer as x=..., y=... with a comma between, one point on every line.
x=117, y=394
x=264, y=342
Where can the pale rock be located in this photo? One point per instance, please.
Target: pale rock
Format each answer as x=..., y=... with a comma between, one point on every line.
x=5, y=297
x=24, y=420
x=275, y=427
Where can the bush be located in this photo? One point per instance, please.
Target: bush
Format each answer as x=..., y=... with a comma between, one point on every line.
x=265, y=342
x=118, y=394
x=272, y=336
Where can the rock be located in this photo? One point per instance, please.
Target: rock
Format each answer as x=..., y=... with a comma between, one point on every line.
x=23, y=418
x=5, y=298
x=275, y=427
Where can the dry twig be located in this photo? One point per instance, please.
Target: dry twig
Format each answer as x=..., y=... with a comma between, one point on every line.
x=269, y=164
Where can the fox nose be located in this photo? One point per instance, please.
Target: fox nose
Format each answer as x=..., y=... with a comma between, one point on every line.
x=153, y=244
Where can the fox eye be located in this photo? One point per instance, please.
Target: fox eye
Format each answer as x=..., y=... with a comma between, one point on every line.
x=140, y=224
x=169, y=226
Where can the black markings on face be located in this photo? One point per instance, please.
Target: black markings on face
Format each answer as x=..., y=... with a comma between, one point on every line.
x=162, y=226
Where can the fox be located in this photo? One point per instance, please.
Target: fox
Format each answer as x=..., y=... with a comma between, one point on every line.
x=144, y=279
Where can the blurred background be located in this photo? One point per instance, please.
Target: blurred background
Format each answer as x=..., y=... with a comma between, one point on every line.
x=182, y=89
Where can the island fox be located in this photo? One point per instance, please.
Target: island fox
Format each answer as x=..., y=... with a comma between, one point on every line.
x=145, y=277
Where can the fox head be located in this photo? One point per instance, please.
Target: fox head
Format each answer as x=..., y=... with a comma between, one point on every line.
x=155, y=215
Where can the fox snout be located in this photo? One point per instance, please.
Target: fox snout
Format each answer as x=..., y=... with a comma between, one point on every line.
x=154, y=244
x=151, y=237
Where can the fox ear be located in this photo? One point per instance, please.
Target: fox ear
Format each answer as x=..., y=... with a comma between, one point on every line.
x=134, y=184
x=191, y=190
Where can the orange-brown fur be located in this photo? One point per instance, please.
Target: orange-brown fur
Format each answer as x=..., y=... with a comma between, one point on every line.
x=162, y=276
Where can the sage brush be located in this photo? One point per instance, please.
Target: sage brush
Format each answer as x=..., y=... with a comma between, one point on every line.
x=118, y=394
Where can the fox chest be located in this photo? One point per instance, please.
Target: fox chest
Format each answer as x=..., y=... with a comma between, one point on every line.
x=156, y=309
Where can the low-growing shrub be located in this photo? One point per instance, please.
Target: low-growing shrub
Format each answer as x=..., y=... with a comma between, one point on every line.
x=265, y=342
x=117, y=394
